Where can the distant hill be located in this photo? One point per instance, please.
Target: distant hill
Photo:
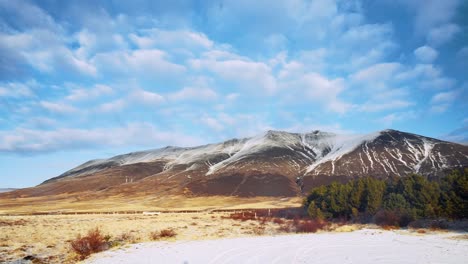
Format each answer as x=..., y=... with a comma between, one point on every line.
x=274, y=163
x=3, y=190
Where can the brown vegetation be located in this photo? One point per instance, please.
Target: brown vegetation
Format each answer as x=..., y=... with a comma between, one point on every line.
x=165, y=233
x=12, y=223
x=93, y=242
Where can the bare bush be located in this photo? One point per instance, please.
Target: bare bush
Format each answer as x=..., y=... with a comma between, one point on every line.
x=242, y=216
x=259, y=230
x=93, y=242
x=309, y=226
x=392, y=218
x=302, y=226
x=278, y=221
x=165, y=233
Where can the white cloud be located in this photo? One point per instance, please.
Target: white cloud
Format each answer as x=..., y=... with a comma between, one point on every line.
x=57, y=107
x=431, y=13
x=276, y=42
x=193, y=93
x=371, y=106
x=232, y=96
x=463, y=53
x=444, y=97
x=442, y=34
x=438, y=83
x=426, y=54
x=440, y=102
x=112, y=107
x=249, y=74
x=422, y=71
x=392, y=118
x=212, y=123
x=155, y=37
x=291, y=69
x=149, y=63
x=29, y=15
x=15, y=90
x=361, y=46
x=140, y=134
x=138, y=97
x=235, y=125
x=78, y=94
x=377, y=73
x=47, y=52
x=97, y=42
x=317, y=88
x=314, y=59
x=367, y=32
x=146, y=97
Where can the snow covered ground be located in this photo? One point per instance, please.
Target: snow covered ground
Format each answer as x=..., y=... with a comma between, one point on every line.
x=363, y=246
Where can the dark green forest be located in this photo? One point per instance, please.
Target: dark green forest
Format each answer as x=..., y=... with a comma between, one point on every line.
x=396, y=201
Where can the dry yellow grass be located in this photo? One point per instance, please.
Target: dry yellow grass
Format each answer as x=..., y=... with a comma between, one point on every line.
x=48, y=236
x=85, y=203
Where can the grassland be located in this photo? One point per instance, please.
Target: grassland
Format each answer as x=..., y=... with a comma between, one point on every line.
x=47, y=237
x=60, y=219
x=84, y=203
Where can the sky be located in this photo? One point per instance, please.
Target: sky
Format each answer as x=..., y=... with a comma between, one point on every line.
x=86, y=79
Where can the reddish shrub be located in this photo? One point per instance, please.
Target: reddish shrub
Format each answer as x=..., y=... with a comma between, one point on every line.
x=278, y=221
x=93, y=242
x=387, y=218
x=302, y=226
x=396, y=218
x=162, y=234
x=309, y=226
x=167, y=233
x=259, y=230
x=243, y=216
x=287, y=227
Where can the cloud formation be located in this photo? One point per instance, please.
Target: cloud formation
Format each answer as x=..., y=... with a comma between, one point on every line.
x=221, y=70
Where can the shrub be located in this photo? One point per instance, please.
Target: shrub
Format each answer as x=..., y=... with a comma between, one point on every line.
x=309, y=226
x=387, y=218
x=93, y=242
x=396, y=218
x=438, y=225
x=278, y=221
x=259, y=230
x=126, y=237
x=286, y=227
x=165, y=233
x=242, y=216
x=302, y=226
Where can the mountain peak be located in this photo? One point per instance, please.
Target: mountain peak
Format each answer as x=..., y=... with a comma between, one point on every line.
x=314, y=156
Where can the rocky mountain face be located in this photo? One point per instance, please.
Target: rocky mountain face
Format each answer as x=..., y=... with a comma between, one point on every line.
x=272, y=164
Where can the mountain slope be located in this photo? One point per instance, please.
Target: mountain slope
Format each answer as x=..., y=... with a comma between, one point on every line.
x=271, y=164
x=3, y=190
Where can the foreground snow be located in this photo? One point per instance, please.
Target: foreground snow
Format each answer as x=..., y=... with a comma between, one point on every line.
x=364, y=246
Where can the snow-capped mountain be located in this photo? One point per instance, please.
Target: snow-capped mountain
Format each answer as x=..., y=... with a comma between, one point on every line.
x=274, y=163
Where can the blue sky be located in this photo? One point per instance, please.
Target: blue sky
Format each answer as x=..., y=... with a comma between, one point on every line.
x=81, y=80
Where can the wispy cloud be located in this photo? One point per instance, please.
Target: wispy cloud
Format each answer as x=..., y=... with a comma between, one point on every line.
x=29, y=141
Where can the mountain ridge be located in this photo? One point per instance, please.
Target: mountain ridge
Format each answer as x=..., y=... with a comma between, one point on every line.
x=274, y=163
x=148, y=155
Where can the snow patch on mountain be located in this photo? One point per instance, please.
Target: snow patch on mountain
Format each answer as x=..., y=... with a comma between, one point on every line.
x=305, y=152
x=339, y=145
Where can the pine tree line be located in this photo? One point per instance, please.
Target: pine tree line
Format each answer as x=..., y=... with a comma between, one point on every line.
x=405, y=198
